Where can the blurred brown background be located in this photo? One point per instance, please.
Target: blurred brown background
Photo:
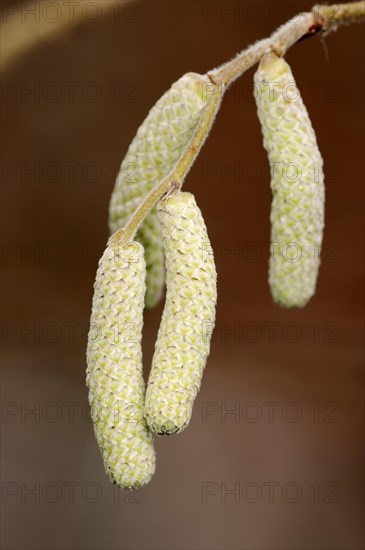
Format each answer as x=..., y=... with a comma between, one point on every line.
x=285, y=471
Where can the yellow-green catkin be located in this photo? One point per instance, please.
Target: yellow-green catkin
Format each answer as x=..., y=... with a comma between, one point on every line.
x=114, y=366
x=187, y=323
x=297, y=183
x=153, y=153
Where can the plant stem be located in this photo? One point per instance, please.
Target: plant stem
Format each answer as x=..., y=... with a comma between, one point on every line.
x=321, y=19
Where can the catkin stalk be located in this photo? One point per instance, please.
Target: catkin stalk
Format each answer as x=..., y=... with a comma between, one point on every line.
x=187, y=323
x=297, y=183
x=114, y=366
x=153, y=153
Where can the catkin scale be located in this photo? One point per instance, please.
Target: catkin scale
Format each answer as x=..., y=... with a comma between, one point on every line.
x=157, y=146
x=183, y=340
x=297, y=183
x=114, y=366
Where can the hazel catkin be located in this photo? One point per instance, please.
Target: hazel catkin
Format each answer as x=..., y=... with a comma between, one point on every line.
x=183, y=340
x=157, y=146
x=297, y=183
x=114, y=366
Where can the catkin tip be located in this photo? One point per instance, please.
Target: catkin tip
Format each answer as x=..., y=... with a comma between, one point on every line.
x=160, y=424
x=290, y=303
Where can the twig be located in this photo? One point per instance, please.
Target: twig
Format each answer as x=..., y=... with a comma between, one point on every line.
x=320, y=19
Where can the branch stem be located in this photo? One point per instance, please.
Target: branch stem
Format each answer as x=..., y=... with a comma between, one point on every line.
x=321, y=19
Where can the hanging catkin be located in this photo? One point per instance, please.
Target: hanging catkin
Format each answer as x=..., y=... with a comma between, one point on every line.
x=183, y=340
x=114, y=366
x=297, y=183
x=158, y=144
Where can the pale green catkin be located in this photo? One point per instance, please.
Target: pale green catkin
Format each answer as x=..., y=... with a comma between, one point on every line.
x=153, y=153
x=183, y=339
x=297, y=182
x=114, y=366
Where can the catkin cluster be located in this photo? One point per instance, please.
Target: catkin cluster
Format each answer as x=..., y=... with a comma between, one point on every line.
x=153, y=153
x=123, y=419
x=297, y=183
x=174, y=233
x=126, y=282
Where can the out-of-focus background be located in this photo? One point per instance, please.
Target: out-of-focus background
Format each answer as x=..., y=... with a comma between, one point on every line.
x=273, y=456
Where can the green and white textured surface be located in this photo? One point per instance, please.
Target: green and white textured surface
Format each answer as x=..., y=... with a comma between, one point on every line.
x=114, y=366
x=183, y=340
x=297, y=183
x=153, y=153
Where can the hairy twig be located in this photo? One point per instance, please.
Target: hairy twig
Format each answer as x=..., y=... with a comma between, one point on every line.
x=322, y=19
